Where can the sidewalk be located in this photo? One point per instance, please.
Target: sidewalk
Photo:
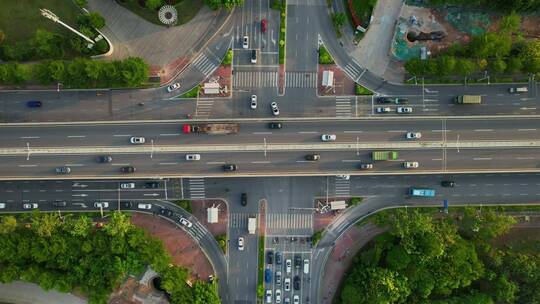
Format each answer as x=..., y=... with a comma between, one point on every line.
x=166, y=50
x=346, y=248
x=373, y=51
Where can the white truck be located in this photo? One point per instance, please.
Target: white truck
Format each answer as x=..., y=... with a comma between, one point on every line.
x=252, y=225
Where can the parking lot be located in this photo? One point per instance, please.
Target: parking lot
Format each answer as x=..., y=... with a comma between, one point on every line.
x=287, y=270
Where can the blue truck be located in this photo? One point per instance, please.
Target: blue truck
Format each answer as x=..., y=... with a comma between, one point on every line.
x=421, y=192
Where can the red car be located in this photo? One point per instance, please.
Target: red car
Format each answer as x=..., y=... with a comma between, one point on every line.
x=263, y=25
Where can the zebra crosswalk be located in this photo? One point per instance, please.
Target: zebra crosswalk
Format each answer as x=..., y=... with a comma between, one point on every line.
x=205, y=64
x=204, y=107
x=354, y=71
x=289, y=224
x=342, y=187
x=343, y=107
x=240, y=220
x=198, y=231
x=255, y=79
x=300, y=80
x=196, y=188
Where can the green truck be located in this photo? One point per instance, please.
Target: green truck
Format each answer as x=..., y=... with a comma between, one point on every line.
x=384, y=155
x=468, y=99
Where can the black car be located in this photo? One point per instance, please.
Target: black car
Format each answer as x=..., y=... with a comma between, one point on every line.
x=104, y=159
x=275, y=125
x=151, y=185
x=297, y=261
x=34, y=104
x=313, y=157
x=230, y=167
x=128, y=169
x=385, y=100
x=59, y=203
x=270, y=257
x=447, y=183
x=126, y=204
x=243, y=199
x=296, y=283
x=166, y=212
x=279, y=258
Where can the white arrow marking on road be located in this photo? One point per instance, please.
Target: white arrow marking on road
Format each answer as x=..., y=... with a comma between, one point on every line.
x=150, y=194
x=79, y=185
x=431, y=100
x=429, y=91
x=429, y=110
x=80, y=204
x=527, y=108
x=81, y=195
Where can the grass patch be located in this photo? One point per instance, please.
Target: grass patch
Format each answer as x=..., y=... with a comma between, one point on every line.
x=260, y=269
x=228, y=57
x=353, y=201
x=184, y=204
x=360, y=90
x=324, y=56
x=222, y=242
x=191, y=93
x=19, y=20
x=187, y=9
x=282, y=31
x=316, y=237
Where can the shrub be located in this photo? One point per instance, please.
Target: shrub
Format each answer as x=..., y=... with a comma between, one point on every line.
x=360, y=90
x=228, y=57
x=184, y=204
x=153, y=4
x=317, y=236
x=353, y=201
x=324, y=56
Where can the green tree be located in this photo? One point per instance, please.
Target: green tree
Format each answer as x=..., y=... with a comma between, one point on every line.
x=498, y=65
x=96, y=20
x=2, y=36
x=510, y=24
x=8, y=224
x=514, y=64
x=446, y=65
x=338, y=19
x=57, y=70
x=134, y=71
x=465, y=67
x=153, y=4
x=48, y=45
x=81, y=3
x=204, y=293
x=415, y=67
x=530, y=56
x=490, y=45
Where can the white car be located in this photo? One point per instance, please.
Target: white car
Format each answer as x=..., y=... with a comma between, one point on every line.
x=278, y=296
x=269, y=296
x=343, y=177
x=275, y=109
x=404, y=110
x=287, y=284
x=366, y=166
x=241, y=243
x=296, y=299
x=414, y=135
x=185, y=222
x=144, y=206
x=30, y=206
x=193, y=157
x=173, y=87
x=306, y=266
x=253, y=103
x=383, y=110
x=2, y=205
x=137, y=140
x=101, y=204
x=410, y=165
x=328, y=137
x=288, y=265
x=245, y=42
x=127, y=185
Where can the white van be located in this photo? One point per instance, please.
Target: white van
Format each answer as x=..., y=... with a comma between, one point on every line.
x=2, y=206
x=306, y=266
x=518, y=90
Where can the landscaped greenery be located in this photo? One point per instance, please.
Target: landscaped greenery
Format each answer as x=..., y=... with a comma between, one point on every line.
x=353, y=201
x=317, y=236
x=502, y=5
x=281, y=5
x=425, y=257
x=260, y=278
x=79, y=73
x=215, y=4
x=361, y=11
x=500, y=53
x=324, y=56
x=191, y=93
x=338, y=20
x=360, y=90
x=184, y=204
x=228, y=57
x=70, y=254
x=186, y=9
x=222, y=242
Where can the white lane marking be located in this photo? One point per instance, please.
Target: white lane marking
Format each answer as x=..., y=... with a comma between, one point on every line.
x=261, y=133
x=170, y=134
x=351, y=160
x=120, y=164
x=525, y=130
x=483, y=130
x=436, y=159
x=261, y=162
x=440, y=130
x=215, y=163
x=76, y=136
x=165, y=164
x=523, y=184
x=121, y=135
x=305, y=161
x=24, y=166
x=74, y=165
x=308, y=132
x=522, y=158
x=396, y=131
x=482, y=158
x=29, y=137
x=353, y=131
x=523, y=194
